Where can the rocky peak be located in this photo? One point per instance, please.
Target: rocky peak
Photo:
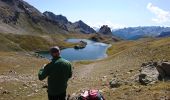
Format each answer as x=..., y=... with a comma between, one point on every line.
x=58, y=18
x=80, y=22
x=83, y=27
x=105, y=30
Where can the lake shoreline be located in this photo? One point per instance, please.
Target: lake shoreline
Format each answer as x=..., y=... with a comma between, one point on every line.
x=92, y=51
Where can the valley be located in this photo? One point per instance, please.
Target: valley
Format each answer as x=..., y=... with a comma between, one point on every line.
x=24, y=30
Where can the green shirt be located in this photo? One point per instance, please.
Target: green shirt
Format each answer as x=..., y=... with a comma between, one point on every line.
x=58, y=72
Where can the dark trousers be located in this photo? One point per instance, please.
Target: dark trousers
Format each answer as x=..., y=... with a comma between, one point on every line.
x=61, y=96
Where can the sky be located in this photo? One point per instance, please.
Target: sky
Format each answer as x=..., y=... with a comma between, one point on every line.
x=114, y=13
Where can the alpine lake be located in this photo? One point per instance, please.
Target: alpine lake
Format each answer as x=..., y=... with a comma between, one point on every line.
x=92, y=51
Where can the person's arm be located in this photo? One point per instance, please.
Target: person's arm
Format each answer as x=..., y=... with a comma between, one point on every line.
x=70, y=71
x=43, y=72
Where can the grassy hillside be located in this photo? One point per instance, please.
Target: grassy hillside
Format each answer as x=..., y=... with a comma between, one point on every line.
x=17, y=42
x=155, y=49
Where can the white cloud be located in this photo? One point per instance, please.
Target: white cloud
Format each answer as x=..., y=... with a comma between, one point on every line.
x=109, y=23
x=162, y=16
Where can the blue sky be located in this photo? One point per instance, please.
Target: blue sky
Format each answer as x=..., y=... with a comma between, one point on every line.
x=115, y=13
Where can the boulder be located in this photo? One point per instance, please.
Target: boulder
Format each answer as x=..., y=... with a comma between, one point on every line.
x=148, y=73
x=164, y=70
x=151, y=72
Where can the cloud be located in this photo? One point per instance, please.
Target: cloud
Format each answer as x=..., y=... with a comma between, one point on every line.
x=109, y=23
x=162, y=16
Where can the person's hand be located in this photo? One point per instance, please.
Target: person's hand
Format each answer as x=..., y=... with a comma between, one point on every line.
x=43, y=66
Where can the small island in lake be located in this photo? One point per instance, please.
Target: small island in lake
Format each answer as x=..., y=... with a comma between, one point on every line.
x=81, y=45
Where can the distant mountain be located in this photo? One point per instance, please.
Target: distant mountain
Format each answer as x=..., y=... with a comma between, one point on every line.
x=78, y=26
x=133, y=33
x=136, y=37
x=165, y=34
x=105, y=30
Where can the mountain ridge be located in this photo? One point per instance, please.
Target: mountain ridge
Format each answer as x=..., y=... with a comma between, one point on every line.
x=133, y=33
x=78, y=26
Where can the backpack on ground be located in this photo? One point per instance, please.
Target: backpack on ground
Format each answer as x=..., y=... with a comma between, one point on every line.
x=91, y=95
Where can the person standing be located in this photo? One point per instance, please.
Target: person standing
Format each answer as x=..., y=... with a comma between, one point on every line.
x=58, y=71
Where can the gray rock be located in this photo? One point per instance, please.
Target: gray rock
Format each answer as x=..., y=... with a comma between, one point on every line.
x=148, y=73
x=115, y=83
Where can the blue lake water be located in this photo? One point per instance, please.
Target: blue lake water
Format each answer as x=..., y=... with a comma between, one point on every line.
x=92, y=51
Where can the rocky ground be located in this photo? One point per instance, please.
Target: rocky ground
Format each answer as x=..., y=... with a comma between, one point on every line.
x=117, y=76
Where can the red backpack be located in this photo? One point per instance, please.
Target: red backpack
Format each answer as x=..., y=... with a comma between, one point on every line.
x=91, y=95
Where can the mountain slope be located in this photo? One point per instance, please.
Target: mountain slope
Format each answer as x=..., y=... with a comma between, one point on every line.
x=17, y=16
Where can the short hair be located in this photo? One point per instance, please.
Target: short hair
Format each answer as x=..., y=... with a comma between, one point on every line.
x=55, y=49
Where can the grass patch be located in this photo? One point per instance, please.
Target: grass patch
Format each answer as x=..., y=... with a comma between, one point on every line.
x=120, y=46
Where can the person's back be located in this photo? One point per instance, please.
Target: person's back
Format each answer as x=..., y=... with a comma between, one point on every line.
x=58, y=71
